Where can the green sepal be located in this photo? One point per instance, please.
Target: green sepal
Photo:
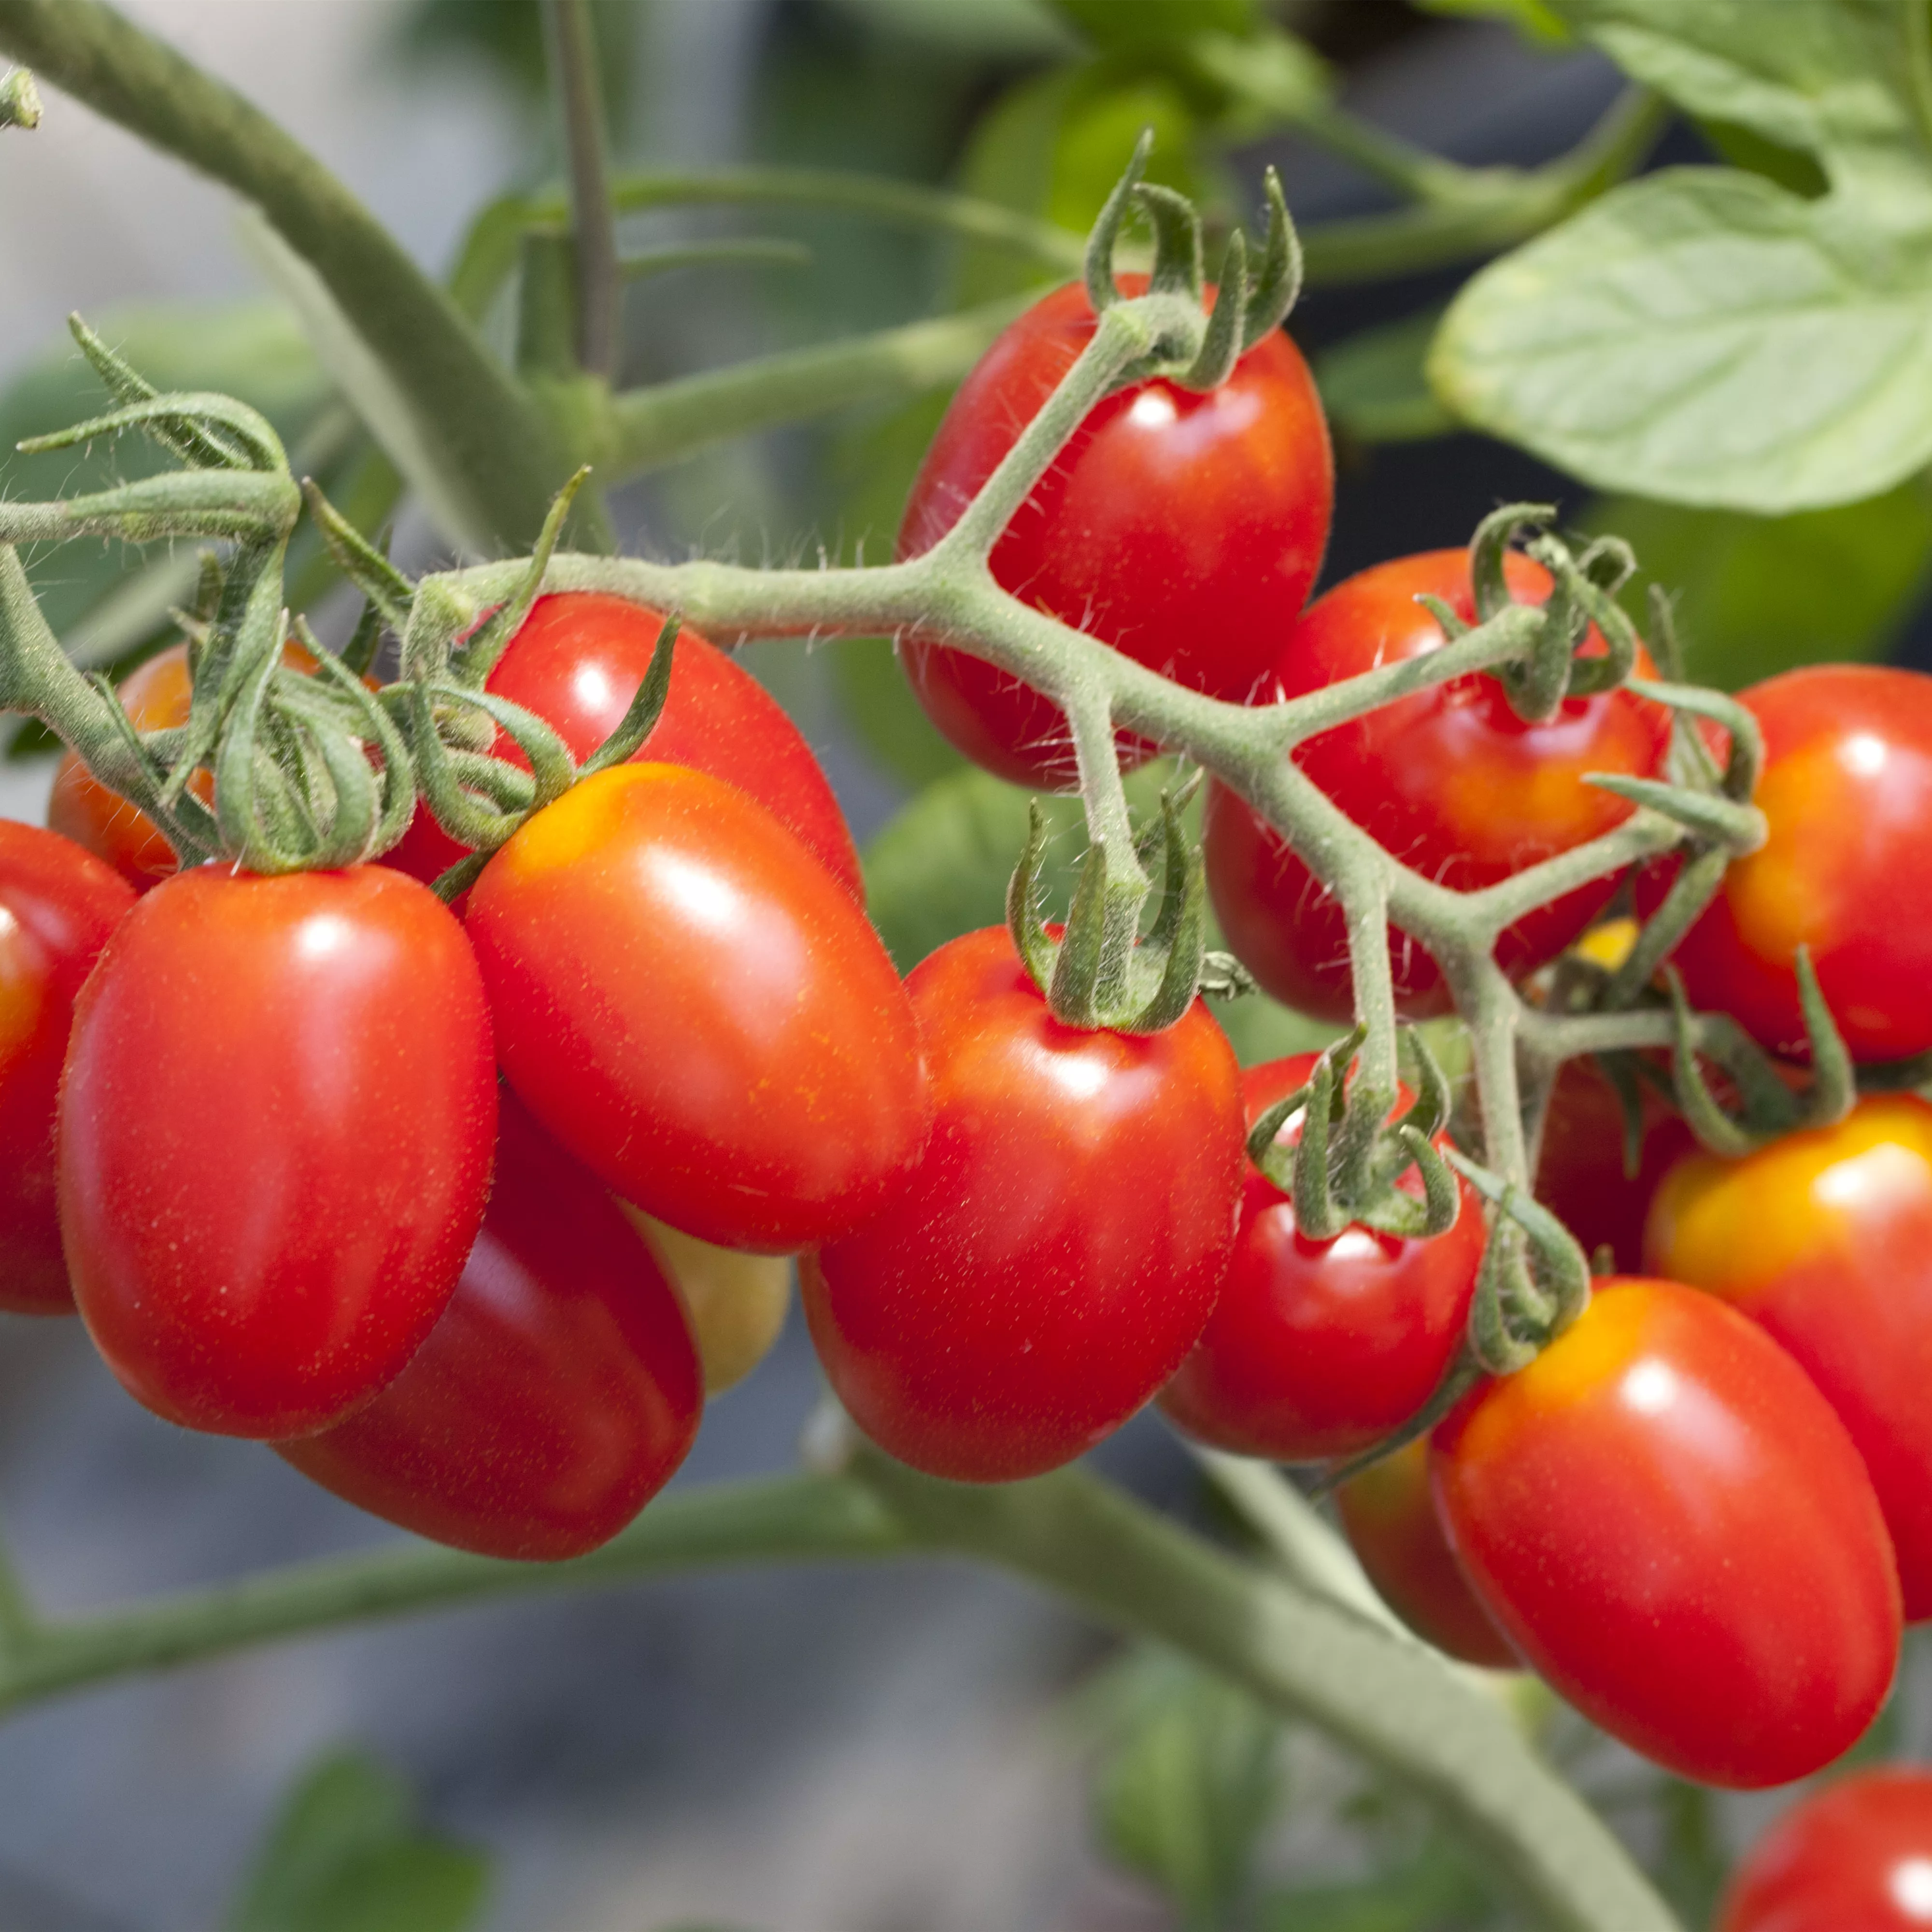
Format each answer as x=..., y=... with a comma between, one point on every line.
x=1738, y=828
x=186, y=439
x=1693, y=890
x=1488, y=547
x=1833, y=1090
x=1277, y=285
x=1178, y=268
x=1768, y=1108
x=1459, y=1379
x=261, y=449
x=640, y=718
x=389, y=591
x=450, y=886
x=472, y=661
x=1453, y=623
x=1221, y=344
x=1025, y=905
x=1534, y=1279
x=1077, y=966
x=1101, y=290
x=1746, y=757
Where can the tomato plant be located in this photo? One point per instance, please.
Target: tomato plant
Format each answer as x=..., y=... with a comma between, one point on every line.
x=1177, y=526
x=275, y=1136
x=1667, y=1520
x=556, y=1394
x=1450, y=780
x=1824, y=1238
x=696, y=1009
x=1318, y=1348
x=1059, y=1247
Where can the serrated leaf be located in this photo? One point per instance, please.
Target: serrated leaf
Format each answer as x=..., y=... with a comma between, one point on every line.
x=1702, y=336
x=1373, y=385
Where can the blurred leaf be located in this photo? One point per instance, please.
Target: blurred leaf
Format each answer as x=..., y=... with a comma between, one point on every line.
x=1373, y=386
x=1754, y=596
x=1435, y=1892
x=1743, y=147
x=507, y=36
x=345, y=1855
x=1002, y=29
x=1531, y=18
x=1110, y=24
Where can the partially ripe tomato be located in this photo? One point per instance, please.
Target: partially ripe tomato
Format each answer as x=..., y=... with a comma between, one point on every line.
x=1450, y=780
x=1855, y=1857
x=276, y=1130
x=736, y=1302
x=698, y=1010
x=1579, y=1175
x=1059, y=1247
x=1393, y=1527
x=1826, y=1238
x=1182, y=528
x=555, y=1397
x=578, y=662
x=1319, y=1348
x=1846, y=787
x=1665, y=1519
x=58, y=905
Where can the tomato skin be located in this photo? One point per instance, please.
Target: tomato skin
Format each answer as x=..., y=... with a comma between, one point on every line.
x=1846, y=787
x=1580, y=1174
x=276, y=1127
x=1180, y=528
x=1059, y=1247
x=1855, y=1857
x=1393, y=1527
x=58, y=905
x=1450, y=780
x=1665, y=1519
x=578, y=662
x=697, y=1010
x=555, y=1396
x=1824, y=1238
x=1320, y=1348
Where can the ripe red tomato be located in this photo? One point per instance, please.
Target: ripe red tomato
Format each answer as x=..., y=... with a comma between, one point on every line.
x=58, y=905
x=1847, y=789
x=555, y=1396
x=1855, y=1857
x=1393, y=1527
x=577, y=662
x=1665, y=1519
x=1450, y=780
x=1826, y=1238
x=1181, y=529
x=1580, y=1174
x=697, y=1009
x=275, y=1136
x=1319, y=1348
x=1059, y=1248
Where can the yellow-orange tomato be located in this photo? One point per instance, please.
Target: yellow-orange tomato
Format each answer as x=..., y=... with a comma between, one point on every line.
x=735, y=1301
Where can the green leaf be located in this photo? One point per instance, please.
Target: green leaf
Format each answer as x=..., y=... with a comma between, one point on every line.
x=1110, y=24
x=345, y=1855
x=1374, y=387
x=1435, y=1892
x=1533, y=19
x=1702, y=337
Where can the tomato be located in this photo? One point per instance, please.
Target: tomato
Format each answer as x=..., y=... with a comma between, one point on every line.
x=577, y=662
x=1450, y=780
x=1058, y=1249
x=1667, y=1519
x=1393, y=1527
x=275, y=1136
x=736, y=1302
x=1826, y=1238
x=697, y=1009
x=1855, y=1857
x=1580, y=1174
x=1181, y=529
x=555, y=1396
x=58, y=905
x=1320, y=1348
x=1846, y=787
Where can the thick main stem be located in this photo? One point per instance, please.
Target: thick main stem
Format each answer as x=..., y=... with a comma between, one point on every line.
x=572, y=39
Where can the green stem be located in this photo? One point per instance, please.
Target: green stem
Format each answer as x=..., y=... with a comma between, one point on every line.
x=572, y=40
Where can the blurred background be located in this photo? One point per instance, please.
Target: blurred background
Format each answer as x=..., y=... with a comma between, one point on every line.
x=924, y=1748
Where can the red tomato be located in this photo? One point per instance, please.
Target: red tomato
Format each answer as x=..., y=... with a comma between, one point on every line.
x=1826, y=1238
x=697, y=1010
x=577, y=662
x=1580, y=1175
x=58, y=905
x=1450, y=780
x=1847, y=788
x=1855, y=1857
x=1181, y=529
x=1665, y=1519
x=1392, y=1525
x=1320, y=1348
x=1060, y=1247
x=555, y=1396
x=275, y=1136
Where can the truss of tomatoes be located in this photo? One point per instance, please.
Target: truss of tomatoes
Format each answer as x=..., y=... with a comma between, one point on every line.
x=322, y=1164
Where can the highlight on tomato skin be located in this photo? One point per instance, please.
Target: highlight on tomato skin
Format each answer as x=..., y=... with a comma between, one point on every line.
x=1668, y=1521
x=557, y=1394
x=1317, y=1349
x=276, y=1128
x=1450, y=780
x=1061, y=1244
x=1178, y=527
x=58, y=905
x=1824, y=1238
